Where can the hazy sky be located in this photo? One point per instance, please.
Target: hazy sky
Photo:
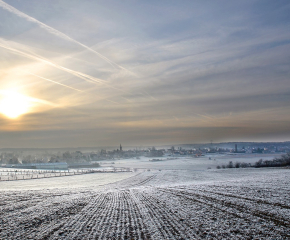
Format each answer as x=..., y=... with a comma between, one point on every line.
x=100, y=73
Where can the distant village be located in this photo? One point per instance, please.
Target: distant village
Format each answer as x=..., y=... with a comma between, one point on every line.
x=84, y=158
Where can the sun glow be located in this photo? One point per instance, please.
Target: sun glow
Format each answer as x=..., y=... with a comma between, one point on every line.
x=14, y=104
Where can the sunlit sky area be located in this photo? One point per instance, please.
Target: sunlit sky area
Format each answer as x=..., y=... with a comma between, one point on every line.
x=100, y=73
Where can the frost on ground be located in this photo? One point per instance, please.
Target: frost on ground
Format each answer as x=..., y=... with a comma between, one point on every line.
x=167, y=204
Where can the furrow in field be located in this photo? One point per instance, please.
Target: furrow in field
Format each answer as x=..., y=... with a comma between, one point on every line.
x=272, y=195
x=50, y=231
x=33, y=220
x=236, y=211
x=135, y=181
x=90, y=219
x=278, y=217
x=259, y=201
x=137, y=228
x=169, y=224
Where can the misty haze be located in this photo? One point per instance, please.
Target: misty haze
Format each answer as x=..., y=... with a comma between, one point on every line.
x=144, y=119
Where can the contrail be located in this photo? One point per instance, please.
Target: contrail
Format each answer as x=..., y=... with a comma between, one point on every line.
x=83, y=76
x=66, y=86
x=208, y=117
x=148, y=95
x=54, y=82
x=51, y=30
x=112, y=101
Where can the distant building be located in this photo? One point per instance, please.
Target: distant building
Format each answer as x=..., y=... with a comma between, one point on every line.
x=52, y=166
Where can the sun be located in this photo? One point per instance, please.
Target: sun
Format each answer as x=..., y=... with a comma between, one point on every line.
x=13, y=104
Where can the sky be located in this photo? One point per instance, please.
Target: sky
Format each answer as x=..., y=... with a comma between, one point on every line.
x=100, y=73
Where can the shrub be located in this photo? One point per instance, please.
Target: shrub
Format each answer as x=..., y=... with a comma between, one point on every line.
x=245, y=165
x=237, y=165
x=230, y=165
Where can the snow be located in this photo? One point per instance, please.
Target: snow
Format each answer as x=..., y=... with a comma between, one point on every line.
x=173, y=199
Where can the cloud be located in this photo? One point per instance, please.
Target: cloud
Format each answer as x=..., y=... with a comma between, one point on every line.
x=203, y=71
x=56, y=32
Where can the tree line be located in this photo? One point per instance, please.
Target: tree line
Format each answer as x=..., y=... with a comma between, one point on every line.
x=282, y=161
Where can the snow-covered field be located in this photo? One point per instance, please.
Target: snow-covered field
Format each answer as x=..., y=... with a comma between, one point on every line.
x=173, y=199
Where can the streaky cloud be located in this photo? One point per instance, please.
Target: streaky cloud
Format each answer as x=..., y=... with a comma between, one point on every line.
x=83, y=76
x=78, y=74
x=55, y=32
x=49, y=80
